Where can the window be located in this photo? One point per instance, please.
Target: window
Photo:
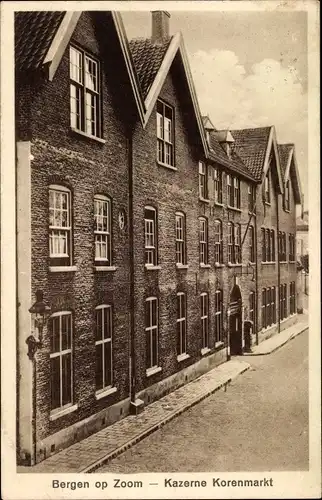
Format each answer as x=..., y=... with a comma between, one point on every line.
x=236, y=193
x=272, y=245
x=151, y=331
x=251, y=199
x=180, y=238
x=103, y=346
x=165, y=134
x=291, y=247
x=102, y=230
x=85, y=99
x=203, y=241
x=263, y=233
x=268, y=307
x=282, y=246
x=264, y=321
x=267, y=193
x=292, y=298
x=287, y=196
x=251, y=244
x=252, y=308
x=181, y=324
x=218, y=242
x=60, y=228
x=273, y=292
x=231, y=253
x=61, y=361
x=283, y=301
x=203, y=180
x=150, y=232
x=217, y=185
x=204, y=307
x=238, y=257
x=230, y=192
x=218, y=316
x=268, y=246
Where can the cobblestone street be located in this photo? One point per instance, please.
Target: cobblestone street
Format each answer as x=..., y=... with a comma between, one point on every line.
x=259, y=423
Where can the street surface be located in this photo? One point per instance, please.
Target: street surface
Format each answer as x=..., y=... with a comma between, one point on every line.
x=259, y=424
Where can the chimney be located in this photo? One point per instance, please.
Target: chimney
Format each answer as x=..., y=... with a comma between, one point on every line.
x=160, y=26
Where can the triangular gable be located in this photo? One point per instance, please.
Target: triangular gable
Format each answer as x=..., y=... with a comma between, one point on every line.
x=176, y=46
x=207, y=123
x=292, y=173
x=272, y=146
x=61, y=40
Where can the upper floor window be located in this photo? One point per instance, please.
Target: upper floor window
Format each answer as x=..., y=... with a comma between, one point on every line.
x=251, y=198
x=268, y=245
x=233, y=191
x=218, y=316
x=61, y=359
x=103, y=346
x=237, y=241
x=273, y=245
x=287, y=196
x=283, y=301
x=150, y=233
x=151, y=331
x=60, y=226
x=252, y=308
x=203, y=191
x=292, y=297
x=236, y=192
x=180, y=238
x=291, y=245
x=218, y=242
x=230, y=191
x=181, y=323
x=165, y=133
x=267, y=188
x=102, y=230
x=231, y=254
x=251, y=244
x=85, y=97
x=217, y=174
x=203, y=241
x=204, y=308
x=282, y=246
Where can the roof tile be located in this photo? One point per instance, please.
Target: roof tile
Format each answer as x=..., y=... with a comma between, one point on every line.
x=251, y=145
x=284, y=152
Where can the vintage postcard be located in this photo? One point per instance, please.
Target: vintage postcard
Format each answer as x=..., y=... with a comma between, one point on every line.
x=160, y=216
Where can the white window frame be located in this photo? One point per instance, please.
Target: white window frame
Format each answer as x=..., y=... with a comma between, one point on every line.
x=85, y=93
x=251, y=244
x=60, y=230
x=203, y=241
x=267, y=188
x=217, y=176
x=204, y=316
x=252, y=308
x=149, y=329
x=230, y=191
x=218, y=241
x=180, y=238
x=237, y=244
x=103, y=341
x=203, y=180
x=181, y=323
x=165, y=135
x=230, y=243
x=150, y=237
x=103, y=238
x=236, y=192
x=218, y=316
x=61, y=353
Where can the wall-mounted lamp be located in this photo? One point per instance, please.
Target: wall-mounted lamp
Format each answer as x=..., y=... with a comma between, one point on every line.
x=40, y=313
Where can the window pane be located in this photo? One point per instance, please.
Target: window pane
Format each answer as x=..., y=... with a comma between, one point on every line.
x=66, y=379
x=148, y=349
x=155, y=347
x=55, y=340
x=66, y=331
x=99, y=366
x=55, y=382
x=108, y=363
x=107, y=311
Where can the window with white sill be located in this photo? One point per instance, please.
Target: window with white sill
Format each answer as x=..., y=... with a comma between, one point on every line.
x=218, y=316
x=150, y=235
x=151, y=332
x=204, y=313
x=61, y=359
x=165, y=134
x=203, y=187
x=60, y=226
x=181, y=323
x=85, y=92
x=102, y=230
x=218, y=242
x=180, y=238
x=104, y=346
x=203, y=241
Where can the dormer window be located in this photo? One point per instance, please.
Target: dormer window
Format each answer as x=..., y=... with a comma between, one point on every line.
x=85, y=97
x=165, y=134
x=267, y=189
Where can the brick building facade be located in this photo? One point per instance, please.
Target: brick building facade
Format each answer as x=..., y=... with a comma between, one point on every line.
x=139, y=224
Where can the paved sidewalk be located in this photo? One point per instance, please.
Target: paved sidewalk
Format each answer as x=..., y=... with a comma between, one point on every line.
x=270, y=345
x=92, y=452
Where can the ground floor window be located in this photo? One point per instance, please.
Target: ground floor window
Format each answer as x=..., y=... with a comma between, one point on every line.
x=268, y=306
x=151, y=331
x=61, y=361
x=103, y=345
x=181, y=323
x=283, y=301
x=204, y=308
x=292, y=298
x=218, y=316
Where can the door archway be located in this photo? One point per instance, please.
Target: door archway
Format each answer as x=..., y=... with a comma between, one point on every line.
x=235, y=322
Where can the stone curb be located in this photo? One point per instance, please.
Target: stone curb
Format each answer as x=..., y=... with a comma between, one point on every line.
x=305, y=327
x=118, y=451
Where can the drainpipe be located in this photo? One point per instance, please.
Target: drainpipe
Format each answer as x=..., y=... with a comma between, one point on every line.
x=256, y=274
x=131, y=255
x=278, y=265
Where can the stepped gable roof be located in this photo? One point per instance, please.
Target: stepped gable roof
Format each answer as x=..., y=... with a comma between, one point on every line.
x=147, y=58
x=34, y=33
x=284, y=151
x=251, y=146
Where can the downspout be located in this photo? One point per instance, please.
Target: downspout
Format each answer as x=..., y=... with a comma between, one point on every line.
x=131, y=255
x=256, y=274
x=278, y=265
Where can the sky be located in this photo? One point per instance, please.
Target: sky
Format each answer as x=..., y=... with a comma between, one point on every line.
x=249, y=69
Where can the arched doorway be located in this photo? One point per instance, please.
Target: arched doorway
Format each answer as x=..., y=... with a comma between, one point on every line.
x=235, y=322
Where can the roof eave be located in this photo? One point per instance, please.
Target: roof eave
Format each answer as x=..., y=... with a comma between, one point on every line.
x=272, y=142
x=212, y=157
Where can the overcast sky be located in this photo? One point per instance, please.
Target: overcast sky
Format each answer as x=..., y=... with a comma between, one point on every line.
x=249, y=69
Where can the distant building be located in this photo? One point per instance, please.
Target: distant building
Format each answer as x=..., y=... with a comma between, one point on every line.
x=161, y=245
